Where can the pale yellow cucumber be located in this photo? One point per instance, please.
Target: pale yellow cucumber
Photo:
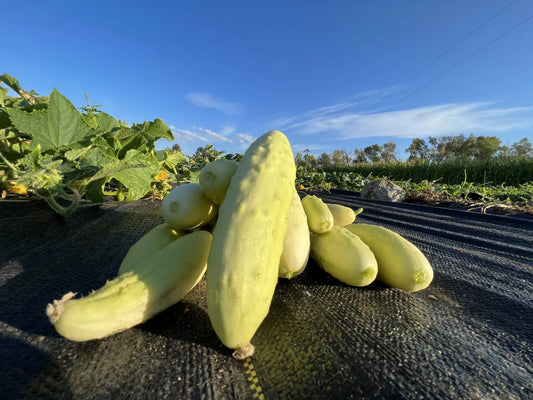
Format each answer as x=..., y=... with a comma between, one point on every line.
x=242, y=269
x=319, y=217
x=344, y=256
x=215, y=178
x=296, y=244
x=343, y=215
x=151, y=242
x=135, y=296
x=400, y=263
x=187, y=207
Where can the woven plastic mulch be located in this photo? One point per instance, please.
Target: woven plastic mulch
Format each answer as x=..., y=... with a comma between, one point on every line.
x=469, y=335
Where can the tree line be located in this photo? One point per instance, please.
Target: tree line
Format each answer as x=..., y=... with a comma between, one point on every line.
x=434, y=150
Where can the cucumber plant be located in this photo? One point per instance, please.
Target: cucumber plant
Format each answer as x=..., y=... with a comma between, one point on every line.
x=51, y=150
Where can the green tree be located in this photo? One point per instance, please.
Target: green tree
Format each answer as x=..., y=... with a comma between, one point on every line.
x=176, y=147
x=418, y=150
x=359, y=156
x=373, y=152
x=340, y=158
x=324, y=160
x=309, y=159
x=522, y=149
x=388, y=154
x=437, y=148
x=298, y=159
x=504, y=153
x=486, y=147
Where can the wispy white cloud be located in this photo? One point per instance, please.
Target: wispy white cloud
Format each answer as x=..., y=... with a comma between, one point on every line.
x=200, y=135
x=244, y=139
x=207, y=100
x=311, y=147
x=451, y=118
x=361, y=101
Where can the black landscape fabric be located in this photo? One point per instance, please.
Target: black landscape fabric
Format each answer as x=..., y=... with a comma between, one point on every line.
x=469, y=335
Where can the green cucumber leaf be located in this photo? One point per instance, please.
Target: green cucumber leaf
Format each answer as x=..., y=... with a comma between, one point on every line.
x=154, y=130
x=94, y=190
x=61, y=125
x=75, y=154
x=106, y=122
x=11, y=81
x=135, y=171
x=3, y=96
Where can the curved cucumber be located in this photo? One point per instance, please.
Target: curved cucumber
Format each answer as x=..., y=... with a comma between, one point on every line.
x=135, y=296
x=151, y=242
x=400, y=263
x=319, y=217
x=242, y=269
x=343, y=215
x=296, y=244
x=215, y=178
x=187, y=207
x=344, y=256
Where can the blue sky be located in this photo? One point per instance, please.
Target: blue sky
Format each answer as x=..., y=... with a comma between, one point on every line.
x=336, y=74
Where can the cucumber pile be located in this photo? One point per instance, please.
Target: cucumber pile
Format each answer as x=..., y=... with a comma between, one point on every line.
x=242, y=226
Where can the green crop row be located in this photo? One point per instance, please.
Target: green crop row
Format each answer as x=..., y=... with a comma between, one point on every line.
x=509, y=173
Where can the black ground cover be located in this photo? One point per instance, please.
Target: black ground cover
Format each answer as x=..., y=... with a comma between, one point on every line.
x=469, y=335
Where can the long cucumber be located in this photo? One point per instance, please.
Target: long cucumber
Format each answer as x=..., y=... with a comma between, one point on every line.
x=134, y=296
x=151, y=242
x=243, y=264
x=319, y=217
x=344, y=256
x=296, y=245
x=400, y=263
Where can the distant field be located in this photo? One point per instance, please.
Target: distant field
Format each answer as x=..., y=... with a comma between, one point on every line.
x=495, y=173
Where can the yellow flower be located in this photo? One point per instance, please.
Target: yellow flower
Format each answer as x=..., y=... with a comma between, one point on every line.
x=18, y=188
x=162, y=176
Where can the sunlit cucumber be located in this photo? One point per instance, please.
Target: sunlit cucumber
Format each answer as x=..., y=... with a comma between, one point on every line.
x=344, y=256
x=343, y=215
x=297, y=244
x=215, y=178
x=151, y=242
x=135, y=296
x=187, y=207
x=248, y=238
x=319, y=217
x=400, y=263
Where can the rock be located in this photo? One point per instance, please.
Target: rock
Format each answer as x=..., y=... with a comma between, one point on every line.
x=383, y=190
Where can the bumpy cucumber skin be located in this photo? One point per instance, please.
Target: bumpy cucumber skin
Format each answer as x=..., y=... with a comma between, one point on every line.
x=400, y=263
x=187, y=207
x=150, y=243
x=319, y=217
x=344, y=256
x=242, y=269
x=135, y=296
x=297, y=243
x=215, y=178
x=342, y=215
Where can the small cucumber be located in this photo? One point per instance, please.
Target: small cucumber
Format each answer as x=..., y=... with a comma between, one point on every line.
x=400, y=263
x=319, y=217
x=297, y=244
x=242, y=269
x=343, y=215
x=187, y=207
x=344, y=256
x=135, y=296
x=151, y=242
x=215, y=178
